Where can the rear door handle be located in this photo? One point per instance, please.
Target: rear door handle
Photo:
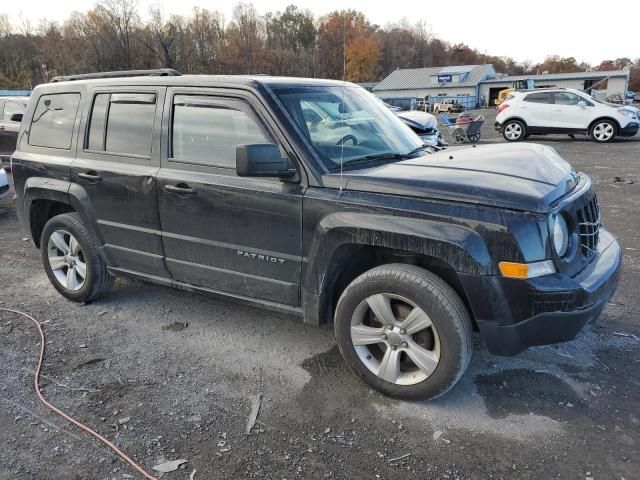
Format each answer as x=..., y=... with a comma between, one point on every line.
x=1, y=127
x=181, y=189
x=90, y=176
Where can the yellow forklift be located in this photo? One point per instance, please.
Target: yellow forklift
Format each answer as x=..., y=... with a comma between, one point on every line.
x=516, y=85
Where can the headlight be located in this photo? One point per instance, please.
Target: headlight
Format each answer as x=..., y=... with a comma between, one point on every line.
x=560, y=234
x=628, y=113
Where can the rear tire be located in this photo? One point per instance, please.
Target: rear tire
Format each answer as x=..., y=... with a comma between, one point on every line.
x=514, y=131
x=603, y=131
x=404, y=331
x=71, y=259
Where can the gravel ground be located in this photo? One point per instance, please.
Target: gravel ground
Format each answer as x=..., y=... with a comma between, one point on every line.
x=171, y=375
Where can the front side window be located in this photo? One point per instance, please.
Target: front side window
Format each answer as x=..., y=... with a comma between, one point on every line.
x=566, y=98
x=207, y=131
x=122, y=123
x=540, y=97
x=347, y=126
x=53, y=120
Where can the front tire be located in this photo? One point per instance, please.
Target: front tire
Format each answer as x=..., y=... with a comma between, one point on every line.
x=514, y=131
x=71, y=259
x=404, y=331
x=604, y=131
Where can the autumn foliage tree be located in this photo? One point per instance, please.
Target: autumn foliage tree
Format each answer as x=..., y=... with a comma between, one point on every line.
x=115, y=35
x=362, y=57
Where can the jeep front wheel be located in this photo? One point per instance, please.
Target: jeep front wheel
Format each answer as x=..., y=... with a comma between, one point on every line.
x=513, y=131
x=71, y=259
x=404, y=331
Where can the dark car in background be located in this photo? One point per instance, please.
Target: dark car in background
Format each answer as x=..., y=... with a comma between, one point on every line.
x=11, y=111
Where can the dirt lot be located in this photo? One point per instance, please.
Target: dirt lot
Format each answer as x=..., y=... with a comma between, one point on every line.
x=170, y=375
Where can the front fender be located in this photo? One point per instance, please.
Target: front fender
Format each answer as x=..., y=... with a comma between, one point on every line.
x=459, y=246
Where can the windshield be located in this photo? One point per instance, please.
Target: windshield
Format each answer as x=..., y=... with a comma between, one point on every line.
x=347, y=125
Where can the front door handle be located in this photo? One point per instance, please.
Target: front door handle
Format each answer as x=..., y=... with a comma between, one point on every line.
x=181, y=189
x=90, y=176
x=1, y=127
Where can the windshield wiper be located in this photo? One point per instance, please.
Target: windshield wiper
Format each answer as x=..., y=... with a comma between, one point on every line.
x=390, y=155
x=416, y=150
x=379, y=156
x=384, y=156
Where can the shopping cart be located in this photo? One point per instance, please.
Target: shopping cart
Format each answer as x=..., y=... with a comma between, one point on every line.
x=463, y=129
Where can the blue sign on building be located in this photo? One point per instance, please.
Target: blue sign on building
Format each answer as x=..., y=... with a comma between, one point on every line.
x=15, y=93
x=444, y=78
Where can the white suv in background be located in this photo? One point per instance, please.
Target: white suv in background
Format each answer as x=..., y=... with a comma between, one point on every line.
x=563, y=110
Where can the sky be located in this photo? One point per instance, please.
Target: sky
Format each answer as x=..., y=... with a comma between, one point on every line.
x=587, y=30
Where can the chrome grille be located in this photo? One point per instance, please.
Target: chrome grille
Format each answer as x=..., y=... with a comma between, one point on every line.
x=589, y=225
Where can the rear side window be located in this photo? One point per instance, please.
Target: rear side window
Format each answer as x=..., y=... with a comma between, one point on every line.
x=541, y=97
x=53, y=120
x=207, y=132
x=122, y=123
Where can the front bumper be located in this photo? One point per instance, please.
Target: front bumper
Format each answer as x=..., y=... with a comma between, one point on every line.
x=513, y=315
x=630, y=130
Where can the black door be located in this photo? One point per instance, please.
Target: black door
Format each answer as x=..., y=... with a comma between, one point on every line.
x=231, y=234
x=116, y=166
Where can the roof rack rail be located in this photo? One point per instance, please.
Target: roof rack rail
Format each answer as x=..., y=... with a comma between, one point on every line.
x=158, y=72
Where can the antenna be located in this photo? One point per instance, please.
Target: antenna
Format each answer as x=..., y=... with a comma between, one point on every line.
x=344, y=86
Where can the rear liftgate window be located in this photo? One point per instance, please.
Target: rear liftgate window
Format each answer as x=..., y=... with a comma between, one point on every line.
x=122, y=123
x=53, y=120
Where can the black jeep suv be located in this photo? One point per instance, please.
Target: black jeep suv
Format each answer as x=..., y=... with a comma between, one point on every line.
x=311, y=197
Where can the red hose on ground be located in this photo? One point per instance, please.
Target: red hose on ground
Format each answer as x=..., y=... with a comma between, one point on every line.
x=36, y=385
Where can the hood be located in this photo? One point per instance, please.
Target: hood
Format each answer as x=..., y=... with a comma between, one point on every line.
x=418, y=119
x=526, y=177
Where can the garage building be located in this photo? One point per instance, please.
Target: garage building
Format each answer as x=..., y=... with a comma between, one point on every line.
x=472, y=85
x=608, y=82
x=458, y=83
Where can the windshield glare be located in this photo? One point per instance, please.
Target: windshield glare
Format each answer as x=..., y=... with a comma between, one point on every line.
x=347, y=125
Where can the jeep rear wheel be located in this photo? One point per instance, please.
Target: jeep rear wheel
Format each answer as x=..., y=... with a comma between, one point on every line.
x=603, y=131
x=514, y=131
x=71, y=259
x=404, y=331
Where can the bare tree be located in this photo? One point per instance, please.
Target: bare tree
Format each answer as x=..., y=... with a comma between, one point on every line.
x=124, y=19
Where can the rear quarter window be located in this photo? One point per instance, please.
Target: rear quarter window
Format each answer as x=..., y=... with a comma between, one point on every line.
x=53, y=120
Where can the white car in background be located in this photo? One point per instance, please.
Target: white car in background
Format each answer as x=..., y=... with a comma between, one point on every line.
x=4, y=183
x=565, y=111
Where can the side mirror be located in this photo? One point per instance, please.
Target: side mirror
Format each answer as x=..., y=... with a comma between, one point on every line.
x=582, y=104
x=16, y=117
x=262, y=160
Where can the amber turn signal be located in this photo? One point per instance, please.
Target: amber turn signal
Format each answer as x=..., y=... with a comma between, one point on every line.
x=526, y=270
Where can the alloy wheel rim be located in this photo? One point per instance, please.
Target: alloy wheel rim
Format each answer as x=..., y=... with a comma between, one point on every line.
x=66, y=260
x=513, y=131
x=395, y=339
x=603, y=131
